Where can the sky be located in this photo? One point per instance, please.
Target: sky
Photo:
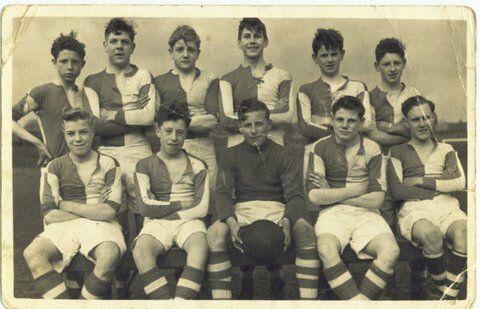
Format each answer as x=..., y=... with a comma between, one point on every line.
x=436, y=51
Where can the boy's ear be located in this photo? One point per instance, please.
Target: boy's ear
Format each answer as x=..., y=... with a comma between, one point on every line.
x=342, y=54
x=376, y=65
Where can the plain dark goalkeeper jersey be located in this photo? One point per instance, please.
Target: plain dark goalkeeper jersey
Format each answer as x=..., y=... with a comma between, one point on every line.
x=265, y=173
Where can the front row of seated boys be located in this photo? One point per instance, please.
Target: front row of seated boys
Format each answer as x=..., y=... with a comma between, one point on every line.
x=346, y=180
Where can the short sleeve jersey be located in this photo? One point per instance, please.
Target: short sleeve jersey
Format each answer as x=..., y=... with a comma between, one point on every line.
x=49, y=102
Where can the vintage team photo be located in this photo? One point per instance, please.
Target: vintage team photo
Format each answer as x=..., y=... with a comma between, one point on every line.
x=252, y=155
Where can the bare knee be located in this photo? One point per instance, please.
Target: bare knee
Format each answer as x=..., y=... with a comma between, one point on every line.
x=197, y=250
x=459, y=237
x=429, y=236
x=35, y=257
x=142, y=251
x=217, y=236
x=328, y=251
x=107, y=257
x=303, y=234
x=388, y=255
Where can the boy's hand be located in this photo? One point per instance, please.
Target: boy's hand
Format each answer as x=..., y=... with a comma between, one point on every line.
x=234, y=233
x=285, y=225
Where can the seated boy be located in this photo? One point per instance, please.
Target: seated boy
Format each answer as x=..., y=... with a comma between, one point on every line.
x=267, y=183
x=80, y=195
x=173, y=194
x=421, y=173
x=346, y=181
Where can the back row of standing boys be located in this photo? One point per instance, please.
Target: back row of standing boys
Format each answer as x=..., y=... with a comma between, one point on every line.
x=344, y=171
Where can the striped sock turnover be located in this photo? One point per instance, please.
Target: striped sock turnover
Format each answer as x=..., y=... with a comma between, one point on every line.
x=375, y=281
x=155, y=284
x=341, y=281
x=52, y=286
x=456, y=273
x=95, y=288
x=307, y=269
x=189, y=283
x=220, y=274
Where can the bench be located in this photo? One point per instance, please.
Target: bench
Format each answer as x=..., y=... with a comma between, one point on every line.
x=175, y=258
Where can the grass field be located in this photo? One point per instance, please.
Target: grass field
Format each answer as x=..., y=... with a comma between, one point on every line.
x=27, y=224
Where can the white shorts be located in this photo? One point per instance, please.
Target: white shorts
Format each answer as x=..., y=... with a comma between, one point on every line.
x=203, y=149
x=168, y=232
x=251, y=211
x=351, y=225
x=442, y=211
x=127, y=157
x=274, y=135
x=82, y=235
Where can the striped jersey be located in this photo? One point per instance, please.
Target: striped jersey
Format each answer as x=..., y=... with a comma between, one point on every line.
x=49, y=101
x=171, y=91
x=442, y=172
x=314, y=106
x=159, y=197
x=106, y=97
x=273, y=89
x=62, y=182
x=387, y=108
x=343, y=167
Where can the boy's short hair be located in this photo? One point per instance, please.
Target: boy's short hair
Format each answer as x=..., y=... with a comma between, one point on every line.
x=173, y=112
x=75, y=114
x=118, y=25
x=252, y=24
x=389, y=45
x=252, y=105
x=185, y=33
x=329, y=38
x=67, y=42
x=416, y=101
x=349, y=103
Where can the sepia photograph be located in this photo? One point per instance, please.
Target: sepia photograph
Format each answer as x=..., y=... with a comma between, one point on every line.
x=238, y=156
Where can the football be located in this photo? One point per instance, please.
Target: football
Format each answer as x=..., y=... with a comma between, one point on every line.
x=263, y=241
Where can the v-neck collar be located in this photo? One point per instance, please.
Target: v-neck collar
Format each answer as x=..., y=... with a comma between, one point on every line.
x=74, y=165
x=343, y=86
x=186, y=172
x=435, y=146
x=126, y=74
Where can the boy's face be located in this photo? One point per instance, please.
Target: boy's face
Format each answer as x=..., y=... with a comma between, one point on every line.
x=68, y=65
x=172, y=134
x=329, y=60
x=252, y=43
x=184, y=55
x=420, y=120
x=119, y=48
x=346, y=125
x=391, y=68
x=79, y=136
x=255, y=127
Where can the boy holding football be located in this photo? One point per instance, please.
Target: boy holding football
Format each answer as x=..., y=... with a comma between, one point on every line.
x=266, y=180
